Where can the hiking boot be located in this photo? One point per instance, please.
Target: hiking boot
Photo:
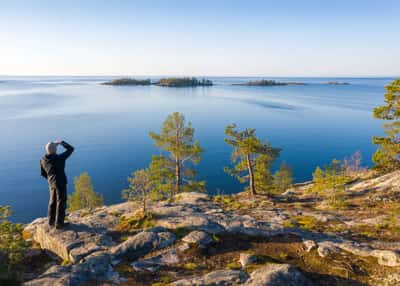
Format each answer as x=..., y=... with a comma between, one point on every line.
x=61, y=226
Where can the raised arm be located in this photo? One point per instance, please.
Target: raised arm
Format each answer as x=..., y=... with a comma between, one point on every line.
x=68, y=150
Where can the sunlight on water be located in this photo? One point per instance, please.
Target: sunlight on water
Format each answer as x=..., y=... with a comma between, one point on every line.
x=109, y=127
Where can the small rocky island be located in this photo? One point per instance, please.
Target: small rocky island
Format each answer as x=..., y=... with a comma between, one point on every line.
x=193, y=239
x=128, y=81
x=265, y=82
x=184, y=82
x=337, y=83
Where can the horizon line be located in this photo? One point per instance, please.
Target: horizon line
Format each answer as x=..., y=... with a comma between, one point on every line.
x=199, y=75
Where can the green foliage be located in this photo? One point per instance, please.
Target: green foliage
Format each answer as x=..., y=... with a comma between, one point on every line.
x=387, y=157
x=331, y=182
x=184, y=82
x=84, y=195
x=141, y=188
x=139, y=221
x=337, y=197
x=190, y=266
x=283, y=178
x=128, y=81
x=176, y=169
x=12, y=247
x=252, y=158
x=333, y=176
x=302, y=221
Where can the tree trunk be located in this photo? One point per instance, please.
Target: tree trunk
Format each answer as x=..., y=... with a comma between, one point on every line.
x=177, y=175
x=252, y=188
x=144, y=203
x=177, y=164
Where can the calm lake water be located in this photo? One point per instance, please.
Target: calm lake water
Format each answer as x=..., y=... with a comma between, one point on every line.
x=109, y=127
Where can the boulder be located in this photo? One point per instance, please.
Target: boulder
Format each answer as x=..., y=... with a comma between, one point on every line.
x=192, y=221
x=96, y=267
x=201, y=238
x=169, y=257
x=72, y=243
x=309, y=245
x=215, y=278
x=277, y=275
x=326, y=248
x=246, y=259
x=387, y=257
x=141, y=244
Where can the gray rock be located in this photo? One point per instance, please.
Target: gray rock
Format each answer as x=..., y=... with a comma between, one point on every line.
x=326, y=248
x=387, y=257
x=192, y=221
x=201, y=238
x=141, y=244
x=215, y=278
x=309, y=245
x=391, y=280
x=96, y=266
x=191, y=198
x=277, y=275
x=169, y=257
x=246, y=259
x=73, y=243
x=165, y=239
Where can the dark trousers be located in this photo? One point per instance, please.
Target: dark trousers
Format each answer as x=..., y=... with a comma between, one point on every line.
x=57, y=204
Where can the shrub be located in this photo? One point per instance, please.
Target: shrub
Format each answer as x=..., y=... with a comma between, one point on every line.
x=84, y=195
x=12, y=247
x=331, y=177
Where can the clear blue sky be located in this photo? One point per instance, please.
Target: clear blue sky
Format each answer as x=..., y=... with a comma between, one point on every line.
x=204, y=37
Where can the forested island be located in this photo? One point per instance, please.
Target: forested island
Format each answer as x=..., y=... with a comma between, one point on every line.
x=265, y=82
x=183, y=82
x=128, y=81
x=167, y=82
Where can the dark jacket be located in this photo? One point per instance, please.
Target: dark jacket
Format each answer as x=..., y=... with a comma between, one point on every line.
x=52, y=166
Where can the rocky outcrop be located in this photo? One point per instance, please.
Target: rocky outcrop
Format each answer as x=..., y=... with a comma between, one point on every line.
x=191, y=220
x=96, y=267
x=277, y=275
x=215, y=278
x=72, y=244
x=141, y=244
x=200, y=238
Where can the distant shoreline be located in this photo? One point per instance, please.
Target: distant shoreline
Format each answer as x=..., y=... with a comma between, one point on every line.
x=194, y=82
x=166, y=82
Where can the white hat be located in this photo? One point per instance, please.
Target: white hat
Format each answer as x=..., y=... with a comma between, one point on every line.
x=51, y=148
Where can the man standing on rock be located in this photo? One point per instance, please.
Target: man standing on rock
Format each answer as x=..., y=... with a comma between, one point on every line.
x=52, y=167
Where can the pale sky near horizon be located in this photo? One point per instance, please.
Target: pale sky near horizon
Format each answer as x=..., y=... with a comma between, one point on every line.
x=204, y=37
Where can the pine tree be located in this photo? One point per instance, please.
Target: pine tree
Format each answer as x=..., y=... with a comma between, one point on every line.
x=176, y=138
x=252, y=158
x=387, y=157
x=140, y=188
x=283, y=178
x=162, y=174
x=333, y=176
x=84, y=195
x=12, y=247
